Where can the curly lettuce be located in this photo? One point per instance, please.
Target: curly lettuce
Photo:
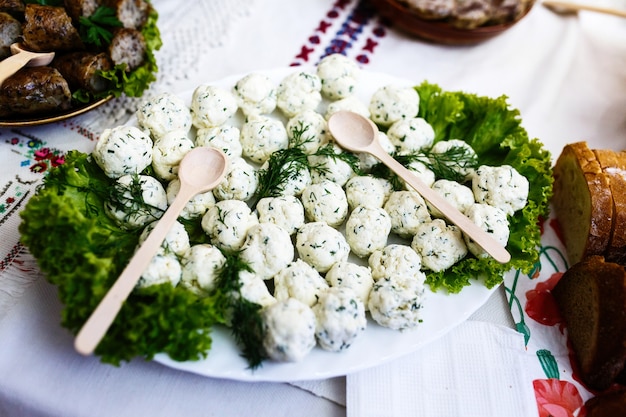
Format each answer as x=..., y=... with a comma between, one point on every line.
x=494, y=131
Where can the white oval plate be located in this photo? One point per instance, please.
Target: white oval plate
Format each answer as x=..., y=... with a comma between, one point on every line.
x=376, y=345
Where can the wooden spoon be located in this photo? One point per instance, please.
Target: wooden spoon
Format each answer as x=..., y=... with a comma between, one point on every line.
x=359, y=134
x=20, y=58
x=568, y=7
x=201, y=170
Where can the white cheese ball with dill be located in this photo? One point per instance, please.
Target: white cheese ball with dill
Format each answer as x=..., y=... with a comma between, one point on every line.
x=339, y=75
x=132, y=211
x=325, y=202
x=329, y=167
x=367, y=230
x=267, y=249
x=396, y=302
x=440, y=245
x=288, y=330
x=350, y=103
x=196, y=206
x=365, y=191
x=309, y=129
x=411, y=135
x=253, y=289
x=340, y=317
x=212, y=106
x=169, y=150
x=368, y=161
x=261, y=136
x=239, y=183
x=500, y=186
x=163, y=113
x=295, y=177
x=255, y=94
x=321, y=246
x=163, y=268
x=422, y=172
x=462, y=160
x=284, y=211
x=201, y=265
x=458, y=195
x=394, y=259
x=224, y=138
x=391, y=103
x=123, y=150
x=354, y=276
x=176, y=240
x=299, y=91
x=227, y=223
x=301, y=281
x=492, y=220
x=407, y=210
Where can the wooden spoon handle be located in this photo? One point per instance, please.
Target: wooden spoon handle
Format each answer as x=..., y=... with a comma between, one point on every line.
x=574, y=6
x=102, y=317
x=12, y=64
x=482, y=238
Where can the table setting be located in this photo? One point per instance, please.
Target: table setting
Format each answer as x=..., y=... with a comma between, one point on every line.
x=487, y=345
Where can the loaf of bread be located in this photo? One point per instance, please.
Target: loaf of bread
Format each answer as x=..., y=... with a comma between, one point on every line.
x=591, y=296
x=610, y=404
x=582, y=202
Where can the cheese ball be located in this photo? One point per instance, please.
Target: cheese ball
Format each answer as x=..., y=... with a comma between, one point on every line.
x=411, y=135
x=123, y=150
x=368, y=161
x=169, y=150
x=163, y=268
x=325, y=202
x=137, y=201
x=492, y=220
x=394, y=259
x=321, y=246
x=350, y=275
x=309, y=130
x=458, y=195
x=464, y=164
x=261, y=136
x=407, y=210
x=200, y=267
x=301, y=281
x=325, y=167
x=350, y=103
x=239, y=183
x=267, y=249
x=227, y=223
x=421, y=171
x=391, y=103
x=255, y=94
x=339, y=75
x=196, y=206
x=284, y=211
x=396, y=302
x=297, y=180
x=367, y=229
x=253, y=289
x=163, y=113
x=439, y=245
x=365, y=191
x=176, y=240
x=500, y=186
x=212, y=106
x=340, y=318
x=224, y=138
x=299, y=91
x=288, y=330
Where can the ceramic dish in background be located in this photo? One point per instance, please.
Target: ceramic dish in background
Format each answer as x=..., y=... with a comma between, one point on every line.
x=439, y=31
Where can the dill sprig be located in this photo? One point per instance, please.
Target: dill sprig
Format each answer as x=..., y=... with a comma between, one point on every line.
x=330, y=151
x=129, y=199
x=246, y=322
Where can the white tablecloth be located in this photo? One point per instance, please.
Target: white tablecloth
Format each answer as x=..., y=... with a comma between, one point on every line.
x=566, y=75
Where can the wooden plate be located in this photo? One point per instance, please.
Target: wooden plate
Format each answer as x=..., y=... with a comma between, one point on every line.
x=437, y=31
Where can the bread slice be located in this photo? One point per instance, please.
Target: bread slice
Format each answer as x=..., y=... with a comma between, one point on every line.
x=591, y=297
x=609, y=404
x=614, y=166
x=582, y=202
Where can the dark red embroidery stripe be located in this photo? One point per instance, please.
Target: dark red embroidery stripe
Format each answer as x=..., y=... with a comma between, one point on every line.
x=11, y=256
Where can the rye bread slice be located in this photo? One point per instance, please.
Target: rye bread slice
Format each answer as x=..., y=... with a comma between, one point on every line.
x=614, y=166
x=582, y=202
x=591, y=296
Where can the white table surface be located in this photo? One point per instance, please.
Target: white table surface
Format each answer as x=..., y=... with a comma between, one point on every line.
x=566, y=75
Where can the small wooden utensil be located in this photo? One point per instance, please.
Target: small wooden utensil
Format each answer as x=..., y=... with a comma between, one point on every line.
x=201, y=170
x=358, y=134
x=568, y=7
x=20, y=58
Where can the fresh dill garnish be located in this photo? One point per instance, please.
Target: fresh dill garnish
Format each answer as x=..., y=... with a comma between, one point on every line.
x=246, y=322
x=330, y=151
x=129, y=200
x=96, y=29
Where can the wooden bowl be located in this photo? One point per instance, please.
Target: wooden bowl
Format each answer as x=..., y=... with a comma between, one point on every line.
x=437, y=31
